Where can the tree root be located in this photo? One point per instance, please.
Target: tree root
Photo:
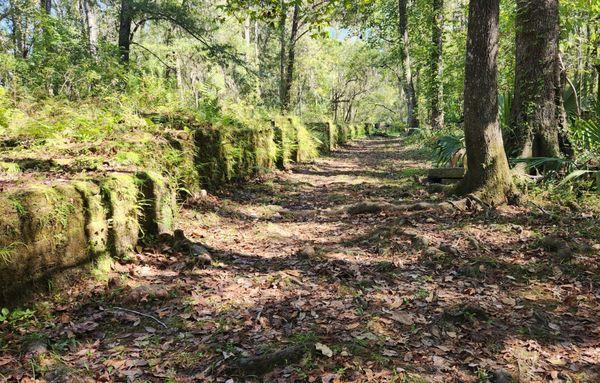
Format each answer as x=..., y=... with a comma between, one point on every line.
x=261, y=364
x=376, y=207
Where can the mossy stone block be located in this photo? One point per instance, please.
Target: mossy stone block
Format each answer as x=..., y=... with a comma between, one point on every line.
x=50, y=225
x=321, y=130
x=158, y=205
x=96, y=223
x=120, y=194
x=211, y=160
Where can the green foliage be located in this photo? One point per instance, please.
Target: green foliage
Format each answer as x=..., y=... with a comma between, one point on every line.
x=16, y=316
x=446, y=147
x=308, y=144
x=505, y=101
x=586, y=133
x=295, y=142
x=6, y=253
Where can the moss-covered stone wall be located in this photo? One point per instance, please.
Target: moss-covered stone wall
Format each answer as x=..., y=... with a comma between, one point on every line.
x=45, y=229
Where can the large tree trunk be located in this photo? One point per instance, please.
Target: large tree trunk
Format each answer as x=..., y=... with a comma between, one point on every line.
x=125, y=20
x=18, y=32
x=436, y=91
x=291, y=59
x=91, y=24
x=282, y=50
x=488, y=175
x=535, y=115
x=408, y=84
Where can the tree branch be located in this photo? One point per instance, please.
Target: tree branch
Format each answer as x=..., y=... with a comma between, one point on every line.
x=153, y=54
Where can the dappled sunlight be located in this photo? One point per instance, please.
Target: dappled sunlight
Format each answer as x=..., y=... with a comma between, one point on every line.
x=436, y=294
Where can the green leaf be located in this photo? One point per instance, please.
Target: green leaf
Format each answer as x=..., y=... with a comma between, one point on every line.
x=574, y=174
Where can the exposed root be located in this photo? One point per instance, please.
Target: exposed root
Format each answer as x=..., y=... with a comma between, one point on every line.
x=261, y=364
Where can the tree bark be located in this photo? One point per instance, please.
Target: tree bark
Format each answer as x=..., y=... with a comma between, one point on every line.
x=46, y=6
x=290, y=61
x=91, y=24
x=488, y=175
x=536, y=109
x=125, y=20
x=18, y=32
x=257, y=58
x=408, y=83
x=436, y=92
x=282, y=40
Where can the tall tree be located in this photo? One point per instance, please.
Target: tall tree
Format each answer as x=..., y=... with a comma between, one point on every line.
x=288, y=58
x=535, y=114
x=125, y=21
x=90, y=21
x=408, y=83
x=488, y=175
x=436, y=91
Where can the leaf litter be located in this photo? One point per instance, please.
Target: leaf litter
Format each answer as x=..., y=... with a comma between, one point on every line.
x=297, y=290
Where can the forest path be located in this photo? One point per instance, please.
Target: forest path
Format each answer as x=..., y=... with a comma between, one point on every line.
x=422, y=296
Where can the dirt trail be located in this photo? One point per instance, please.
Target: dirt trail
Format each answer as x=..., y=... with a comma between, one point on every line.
x=409, y=297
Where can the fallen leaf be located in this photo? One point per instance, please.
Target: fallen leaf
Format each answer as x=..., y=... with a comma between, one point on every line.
x=387, y=352
x=557, y=361
x=404, y=318
x=438, y=361
x=324, y=349
x=508, y=301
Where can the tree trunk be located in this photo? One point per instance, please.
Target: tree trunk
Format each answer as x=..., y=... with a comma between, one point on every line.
x=257, y=63
x=91, y=24
x=291, y=59
x=564, y=144
x=125, y=20
x=488, y=175
x=535, y=114
x=436, y=92
x=46, y=6
x=18, y=34
x=282, y=39
x=409, y=88
x=247, y=39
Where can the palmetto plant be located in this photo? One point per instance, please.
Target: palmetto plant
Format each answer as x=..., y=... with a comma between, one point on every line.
x=586, y=133
x=446, y=147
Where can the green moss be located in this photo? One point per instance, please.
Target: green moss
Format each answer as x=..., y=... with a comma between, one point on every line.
x=10, y=168
x=10, y=233
x=179, y=158
x=96, y=224
x=343, y=133
x=232, y=152
x=159, y=204
x=307, y=144
x=120, y=196
x=295, y=141
x=284, y=141
x=321, y=131
x=101, y=267
x=45, y=234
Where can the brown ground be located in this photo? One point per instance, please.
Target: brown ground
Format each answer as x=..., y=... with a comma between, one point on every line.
x=315, y=294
